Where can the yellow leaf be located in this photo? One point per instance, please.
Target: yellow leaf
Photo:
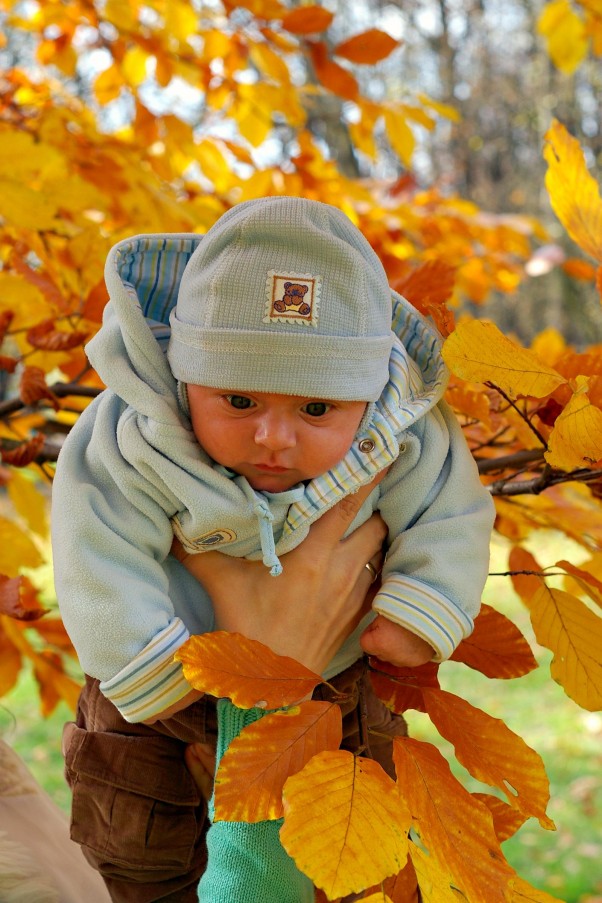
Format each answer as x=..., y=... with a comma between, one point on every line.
x=550, y=346
x=362, y=131
x=478, y=351
x=18, y=295
x=479, y=740
x=29, y=502
x=456, y=828
x=24, y=158
x=134, y=65
x=442, y=108
x=331, y=807
x=522, y=892
x=369, y=47
x=400, y=135
x=563, y=624
x=122, y=14
x=247, y=672
x=266, y=753
x=269, y=62
x=107, y=86
x=181, y=19
x=216, y=44
x=565, y=34
x=26, y=208
x=574, y=193
x=16, y=549
x=253, y=119
x=214, y=164
x=576, y=440
x=433, y=881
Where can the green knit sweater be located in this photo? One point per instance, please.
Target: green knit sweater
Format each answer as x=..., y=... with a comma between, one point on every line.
x=247, y=863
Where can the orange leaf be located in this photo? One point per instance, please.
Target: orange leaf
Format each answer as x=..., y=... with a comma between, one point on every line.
x=247, y=672
x=266, y=753
x=456, y=829
x=53, y=632
x=400, y=888
x=53, y=683
x=7, y=363
x=19, y=599
x=563, y=624
x=525, y=584
x=496, y=647
x=401, y=688
x=492, y=753
x=471, y=402
x=579, y=269
x=331, y=75
x=430, y=283
x=24, y=454
x=6, y=317
x=10, y=662
x=506, y=819
x=331, y=807
x=369, y=47
x=33, y=388
x=42, y=281
x=585, y=579
x=307, y=20
x=45, y=336
x=574, y=193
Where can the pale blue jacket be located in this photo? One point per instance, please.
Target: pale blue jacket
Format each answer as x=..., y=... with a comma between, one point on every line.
x=131, y=474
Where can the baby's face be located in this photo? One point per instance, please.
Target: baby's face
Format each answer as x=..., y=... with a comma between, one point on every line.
x=275, y=441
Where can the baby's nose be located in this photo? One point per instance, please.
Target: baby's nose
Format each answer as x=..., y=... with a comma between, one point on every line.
x=275, y=433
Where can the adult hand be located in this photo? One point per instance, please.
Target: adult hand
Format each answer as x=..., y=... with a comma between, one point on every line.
x=323, y=592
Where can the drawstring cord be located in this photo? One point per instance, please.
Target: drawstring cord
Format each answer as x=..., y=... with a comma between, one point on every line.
x=266, y=536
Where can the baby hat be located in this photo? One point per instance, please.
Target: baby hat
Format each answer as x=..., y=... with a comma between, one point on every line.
x=284, y=295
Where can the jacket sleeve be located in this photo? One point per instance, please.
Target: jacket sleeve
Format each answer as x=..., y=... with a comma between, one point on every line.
x=111, y=536
x=440, y=518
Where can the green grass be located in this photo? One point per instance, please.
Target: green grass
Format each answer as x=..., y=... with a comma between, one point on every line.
x=565, y=863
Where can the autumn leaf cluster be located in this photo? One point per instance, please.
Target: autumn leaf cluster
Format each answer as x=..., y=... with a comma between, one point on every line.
x=88, y=156
x=426, y=831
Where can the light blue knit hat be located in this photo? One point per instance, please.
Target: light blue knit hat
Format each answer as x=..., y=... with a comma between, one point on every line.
x=284, y=295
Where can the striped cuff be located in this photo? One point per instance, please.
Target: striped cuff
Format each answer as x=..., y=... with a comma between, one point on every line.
x=152, y=681
x=426, y=612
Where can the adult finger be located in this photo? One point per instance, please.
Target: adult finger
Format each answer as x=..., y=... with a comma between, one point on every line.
x=332, y=526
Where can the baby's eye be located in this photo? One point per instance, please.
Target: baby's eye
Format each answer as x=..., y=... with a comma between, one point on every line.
x=316, y=408
x=240, y=402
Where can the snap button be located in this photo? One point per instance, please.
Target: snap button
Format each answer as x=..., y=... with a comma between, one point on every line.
x=366, y=445
x=402, y=447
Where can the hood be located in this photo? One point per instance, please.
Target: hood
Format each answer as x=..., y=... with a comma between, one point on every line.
x=143, y=275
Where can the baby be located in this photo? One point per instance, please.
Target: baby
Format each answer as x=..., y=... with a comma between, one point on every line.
x=256, y=376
